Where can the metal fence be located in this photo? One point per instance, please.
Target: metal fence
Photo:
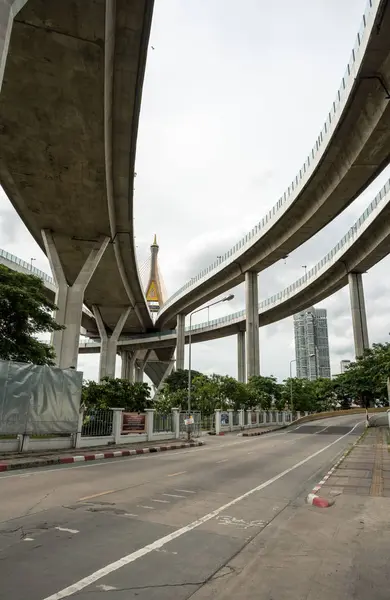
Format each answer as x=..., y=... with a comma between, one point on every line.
x=208, y=422
x=97, y=422
x=196, y=427
x=163, y=423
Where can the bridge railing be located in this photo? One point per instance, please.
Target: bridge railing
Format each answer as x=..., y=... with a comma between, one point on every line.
x=26, y=265
x=371, y=212
x=311, y=162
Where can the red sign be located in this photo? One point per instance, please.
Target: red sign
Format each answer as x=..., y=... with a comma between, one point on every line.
x=133, y=423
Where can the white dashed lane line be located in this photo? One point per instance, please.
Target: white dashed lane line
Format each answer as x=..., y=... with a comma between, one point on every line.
x=185, y=491
x=162, y=501
x=173, y=496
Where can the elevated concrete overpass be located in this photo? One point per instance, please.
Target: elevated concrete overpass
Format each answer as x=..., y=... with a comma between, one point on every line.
x=365, y=244
x=158, y=363
x=69, y=110
x=352, y=148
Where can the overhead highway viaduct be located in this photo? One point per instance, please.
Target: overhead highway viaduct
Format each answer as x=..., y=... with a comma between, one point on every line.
x=352, y=148
x=365, y=244
x=71, y=76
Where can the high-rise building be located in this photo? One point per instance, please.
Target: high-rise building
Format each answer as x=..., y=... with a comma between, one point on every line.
x=344, y=364
x=312, y=344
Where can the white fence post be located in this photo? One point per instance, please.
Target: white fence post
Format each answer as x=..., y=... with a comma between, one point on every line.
x=176, y=422
x=257, y=411
x=149, y=423
x=117, y=424
x=77, y=437
x=217, y=421
x=230, y=413
x=388, y=417
x=284, y=417
x=249, y=417
x=241, y=417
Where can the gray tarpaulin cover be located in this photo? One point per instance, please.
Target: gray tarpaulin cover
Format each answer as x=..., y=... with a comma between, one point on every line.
x=38, y=399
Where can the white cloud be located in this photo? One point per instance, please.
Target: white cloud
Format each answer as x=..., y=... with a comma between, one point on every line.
x=233, y=101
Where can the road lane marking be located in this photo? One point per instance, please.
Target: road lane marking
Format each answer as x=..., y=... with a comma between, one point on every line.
x=96, y=495
x=185, y=491
x=67, y=530
x=144, y=506
x=130, y=515
x=162, y=501
x=173, y=496
x=221, y=461
x=160, y=543
x=179, y=473
x=27, y=539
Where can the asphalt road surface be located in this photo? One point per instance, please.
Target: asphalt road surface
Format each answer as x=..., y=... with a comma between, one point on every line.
x=155, y=527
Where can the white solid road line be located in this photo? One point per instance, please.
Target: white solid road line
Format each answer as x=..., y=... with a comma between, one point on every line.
x=162, y=501
x=130, y=558
x=185, y=491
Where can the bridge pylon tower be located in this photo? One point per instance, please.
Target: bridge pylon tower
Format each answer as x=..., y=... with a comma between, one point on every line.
x=154, y=292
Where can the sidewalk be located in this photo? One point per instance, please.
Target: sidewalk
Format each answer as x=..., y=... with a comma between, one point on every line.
x=309, y=553
x=11, y=461
x=366, y=469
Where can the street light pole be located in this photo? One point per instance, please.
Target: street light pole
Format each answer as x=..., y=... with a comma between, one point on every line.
x=226, y=299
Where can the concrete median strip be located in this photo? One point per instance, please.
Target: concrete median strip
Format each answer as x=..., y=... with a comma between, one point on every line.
x=60, y=460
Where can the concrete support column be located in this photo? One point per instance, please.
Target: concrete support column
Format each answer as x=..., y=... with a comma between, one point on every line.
x=358, y=309
x=127, y=369
x=252, y=325
x=180, y=341
x=69, y=299
x=8, y=10
x=241, y=417
x=241, y=356
x=109, y=343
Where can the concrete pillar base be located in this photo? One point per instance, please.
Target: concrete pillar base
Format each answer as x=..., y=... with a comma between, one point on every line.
x=69, y=299
x=180, y=341
x=358, y=310
x=252, y=325
x=109, y=343
x=241, y=356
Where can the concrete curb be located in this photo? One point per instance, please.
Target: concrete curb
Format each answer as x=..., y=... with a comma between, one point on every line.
x=315, y=500
x=60, y=460
x=336, y=464
x=255, y=433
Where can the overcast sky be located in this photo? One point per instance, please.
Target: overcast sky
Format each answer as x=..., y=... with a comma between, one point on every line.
x=233, y=101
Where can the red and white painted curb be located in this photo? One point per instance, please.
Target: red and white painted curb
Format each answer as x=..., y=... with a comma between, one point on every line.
x=318, y=501
x=96, y=456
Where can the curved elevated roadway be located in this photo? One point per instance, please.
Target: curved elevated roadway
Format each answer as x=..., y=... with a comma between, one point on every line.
x=156, y=365
x=352, y=148
x=69, y=110
x=364, y=245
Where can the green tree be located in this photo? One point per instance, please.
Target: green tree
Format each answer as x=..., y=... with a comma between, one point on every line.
x=25, y=312
x=324, y=394
x=178, y=380
x=303, y=395
x=117, y=393
x=365, y=381
x=264, y=391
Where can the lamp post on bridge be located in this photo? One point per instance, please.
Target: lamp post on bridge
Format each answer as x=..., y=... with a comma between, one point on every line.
x=226, y=299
